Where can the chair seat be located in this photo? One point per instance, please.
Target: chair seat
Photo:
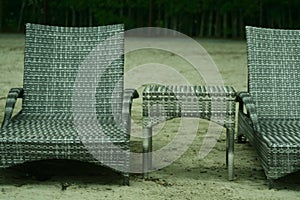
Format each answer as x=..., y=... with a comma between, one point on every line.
x=62, y=128
x=281, y=133
x=31, y=137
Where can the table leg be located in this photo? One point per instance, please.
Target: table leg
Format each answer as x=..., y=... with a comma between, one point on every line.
x=147, y=150
x=230, y=152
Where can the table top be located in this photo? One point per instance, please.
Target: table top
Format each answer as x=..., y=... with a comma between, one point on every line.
x=179, y=90
x=163, y=102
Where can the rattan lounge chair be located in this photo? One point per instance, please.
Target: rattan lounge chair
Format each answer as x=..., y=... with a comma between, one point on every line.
x=271, y=120
x=73, y=102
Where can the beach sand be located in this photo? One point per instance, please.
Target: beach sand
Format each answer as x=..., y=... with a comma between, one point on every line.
x=188, y=177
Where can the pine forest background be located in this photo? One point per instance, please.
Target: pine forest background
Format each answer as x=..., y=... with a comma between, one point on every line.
x=198, y=18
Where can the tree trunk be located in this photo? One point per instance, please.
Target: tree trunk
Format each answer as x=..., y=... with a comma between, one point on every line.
x=210, y=23
x=73, y=16
x=271, y=24
x=159, y=22
x=191, y=26
x=202, y=24
x=290, y=18
x=174, y=23
x=45, y=11
x=129, y=15
x=150, y=13
x=166, y=20
x=121, y=11
x=241, y=25
x=261, y=13
x=218, y=25
x=234, y=25
x=21, y=16
x=67, y=17
x=81, y=18
x=225, y=25
x=1, y=14
x=34, y=11
x=90, y=17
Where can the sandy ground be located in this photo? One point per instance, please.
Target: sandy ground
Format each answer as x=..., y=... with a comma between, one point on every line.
x=186, y=178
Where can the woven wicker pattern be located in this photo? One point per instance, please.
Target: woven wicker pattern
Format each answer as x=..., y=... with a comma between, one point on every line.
x=273, y=66
x=56, y=57
x=216, y=103
x=74, y=106
x=273, y=100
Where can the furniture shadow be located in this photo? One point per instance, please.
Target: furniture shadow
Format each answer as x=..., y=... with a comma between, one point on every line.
x=65, y=172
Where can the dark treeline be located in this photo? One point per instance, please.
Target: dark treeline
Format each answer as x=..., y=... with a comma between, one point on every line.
x=204, y=18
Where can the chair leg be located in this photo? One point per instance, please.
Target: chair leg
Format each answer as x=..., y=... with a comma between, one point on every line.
x=126, y=179
x=230, y=152
x=147, y=149
x=271, y=183
x=240, y=138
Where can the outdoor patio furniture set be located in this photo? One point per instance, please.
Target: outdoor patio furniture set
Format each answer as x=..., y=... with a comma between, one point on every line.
x=74, y=105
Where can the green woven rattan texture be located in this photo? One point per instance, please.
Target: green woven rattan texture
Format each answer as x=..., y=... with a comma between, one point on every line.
x=273, y=72
x=273, y=75
x=56, y=57
x=216, y=103
x=72, y=101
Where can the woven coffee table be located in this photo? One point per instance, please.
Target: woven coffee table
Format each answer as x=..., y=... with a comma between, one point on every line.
x=215, y=103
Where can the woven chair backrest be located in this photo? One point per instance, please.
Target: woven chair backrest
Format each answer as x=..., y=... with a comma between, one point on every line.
x=274, y=72
x=73, y=69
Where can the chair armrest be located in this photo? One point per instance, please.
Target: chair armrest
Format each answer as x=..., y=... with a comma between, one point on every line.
x=11, y=100
x=245, y=100
x=128, y=96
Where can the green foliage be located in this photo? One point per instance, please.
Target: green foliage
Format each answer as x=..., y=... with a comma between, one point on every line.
x=208, y=18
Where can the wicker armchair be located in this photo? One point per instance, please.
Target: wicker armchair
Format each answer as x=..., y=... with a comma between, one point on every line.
x=269, y=113
x=73, y=102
